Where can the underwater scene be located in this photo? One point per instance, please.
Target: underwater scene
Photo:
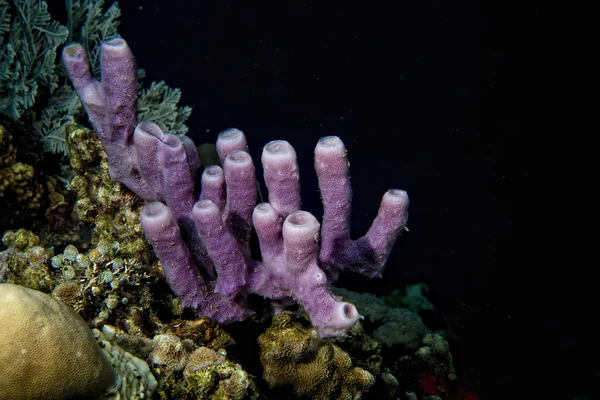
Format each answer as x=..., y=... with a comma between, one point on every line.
x=271, y=200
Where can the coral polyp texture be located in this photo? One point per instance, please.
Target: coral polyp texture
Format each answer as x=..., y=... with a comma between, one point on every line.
x=46, y=350
x=294, y=356
x=203, y=243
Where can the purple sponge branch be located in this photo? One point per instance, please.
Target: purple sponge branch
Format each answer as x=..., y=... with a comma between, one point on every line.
x=212, y=270
x=163, y=233
x=290, y=269
x=165, y=166
x=282, y=176
x=367, y=255
x=111, y=106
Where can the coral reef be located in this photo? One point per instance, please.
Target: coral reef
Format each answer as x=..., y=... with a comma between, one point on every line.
x=213, y=272
x=366, y=351
x=98, y=284
x=131, y=217
x=313, y=367
x=32, y=80
x=28, y=191
x=206, y=373
x=193, y=365
x=112, y=209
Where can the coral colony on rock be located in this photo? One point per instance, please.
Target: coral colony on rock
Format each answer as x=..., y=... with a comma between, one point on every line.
x=203, y=244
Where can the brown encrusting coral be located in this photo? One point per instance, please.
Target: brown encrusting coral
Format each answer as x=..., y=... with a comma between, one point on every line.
x=314, y=368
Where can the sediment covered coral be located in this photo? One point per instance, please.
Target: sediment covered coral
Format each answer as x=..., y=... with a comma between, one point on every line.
x=435, y=352
x=391, y=326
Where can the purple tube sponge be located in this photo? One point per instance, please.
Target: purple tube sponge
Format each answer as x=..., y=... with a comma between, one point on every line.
x=163, y=233
x=211, y=270
x=367, y=255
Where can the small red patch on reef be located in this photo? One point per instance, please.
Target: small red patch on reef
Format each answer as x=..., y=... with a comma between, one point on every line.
x=433, y=385
x=466, y=393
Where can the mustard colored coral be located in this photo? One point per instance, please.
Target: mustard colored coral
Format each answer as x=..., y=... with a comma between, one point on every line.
x=17, y=178
x=314, y=368
x=109, y=206
x=47, y=351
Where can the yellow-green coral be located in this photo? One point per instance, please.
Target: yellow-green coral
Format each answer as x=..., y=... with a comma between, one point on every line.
x=8, y=153
x=206, y=373
x=17, y=178
x=25, y=262
x=98, y=284
x=209, y=373
x=109, y=206
x=435, y=352
x=314, y=368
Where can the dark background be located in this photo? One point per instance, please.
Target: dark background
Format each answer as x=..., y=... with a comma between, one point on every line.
x=443, y=99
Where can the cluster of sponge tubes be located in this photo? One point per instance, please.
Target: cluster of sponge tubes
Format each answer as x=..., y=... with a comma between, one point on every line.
x=203, y=243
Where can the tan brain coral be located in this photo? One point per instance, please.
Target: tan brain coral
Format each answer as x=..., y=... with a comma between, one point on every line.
x=46, y=350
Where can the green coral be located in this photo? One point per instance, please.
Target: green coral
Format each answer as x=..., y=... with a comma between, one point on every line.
x=315, y=368
x=413, y=298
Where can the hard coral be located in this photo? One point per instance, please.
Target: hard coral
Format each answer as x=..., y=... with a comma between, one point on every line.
x=110, y=206
x=206, y=373
x=18, y=182
x=46, y=350
x=313, y=367
x=135, y=378
x=25, y=262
